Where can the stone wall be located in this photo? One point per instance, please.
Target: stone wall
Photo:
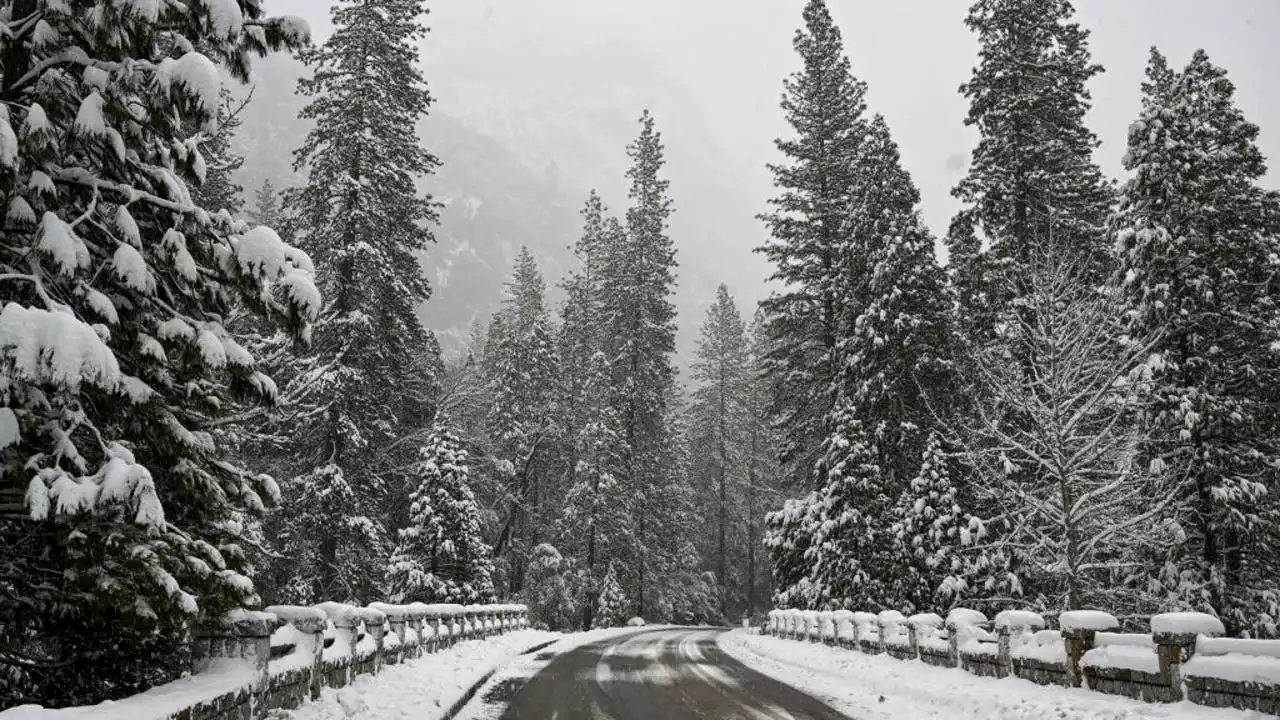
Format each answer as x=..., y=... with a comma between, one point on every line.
x=249, y=663
x=1182, y=657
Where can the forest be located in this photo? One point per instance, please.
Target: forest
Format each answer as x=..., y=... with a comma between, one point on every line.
x=221, y=397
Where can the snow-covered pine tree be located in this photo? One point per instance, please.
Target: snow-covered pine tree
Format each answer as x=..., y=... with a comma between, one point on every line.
x=894, y=358
x=636, y=286
x=364, y=221
x=824, y=106
x=220, y=191
x=522, y=421
x=1033, y=165
x=1197, y=242
x=762, y=488
x=719, y=426
x=611, y=603
x=549, y=590
x=594, y=514
x=441, y=555
x=120, y=516
x=266, y=208
x=788, y=538
x=929, y=526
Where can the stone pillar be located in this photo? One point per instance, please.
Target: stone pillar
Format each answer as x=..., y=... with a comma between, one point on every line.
x=1078, y=641
x=1175, y=636
x=437, y=627
x=1004, y=649
x=311, y=624
x=373, y=627
x=238, y=635
x=416, y=620
x=913, y=637
x=398, y=619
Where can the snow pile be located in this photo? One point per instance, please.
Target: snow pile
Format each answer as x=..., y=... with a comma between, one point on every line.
x=636, y=622
x=1087, y=620
x=55, y=348
x=1249, y=661
x=1186, y=623
x=423, y=689
x=1131, y=651
x=889, y=689
x=1045, y=646
x=1020, y=619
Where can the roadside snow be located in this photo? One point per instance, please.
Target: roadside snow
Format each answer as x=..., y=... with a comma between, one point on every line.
x=877, y=687
x=423, y=689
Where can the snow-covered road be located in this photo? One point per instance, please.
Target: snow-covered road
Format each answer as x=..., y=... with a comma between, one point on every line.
x=656, y=674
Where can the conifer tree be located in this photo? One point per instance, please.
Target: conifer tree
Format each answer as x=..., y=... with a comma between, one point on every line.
x=266, y=206
x=120, y=512
x=220, y=191
x=929, y=525
x=720, y=369
x=636, y=287
x=441, y=556
x=1033, y=166
x=363, y=220
x=1193, y=231
x=824, y=106
x=522, y=420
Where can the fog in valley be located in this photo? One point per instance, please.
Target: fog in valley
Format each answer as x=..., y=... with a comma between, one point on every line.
x=535, y=101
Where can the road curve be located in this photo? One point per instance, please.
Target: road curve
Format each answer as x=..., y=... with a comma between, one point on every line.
x=658, y=675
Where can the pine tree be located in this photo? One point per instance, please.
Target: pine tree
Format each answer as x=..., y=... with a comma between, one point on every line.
x=763, y=472
x=1032, y=168
x=522, y=419
x=363, y=220
x=894, y=354
x=636, y=286
x=266, y=206
x=611, y=607
x=824, y=106
x=593, y=515
x=1194, y=230
x=220, y=191
x=928, y=528
x=720, y=369
x=441, y=556
x=119, y=511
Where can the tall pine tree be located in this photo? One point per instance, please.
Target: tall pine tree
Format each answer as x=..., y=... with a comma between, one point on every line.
x=809, y=227
x=1197, y=242
x=1033, y=168
x=363, y=220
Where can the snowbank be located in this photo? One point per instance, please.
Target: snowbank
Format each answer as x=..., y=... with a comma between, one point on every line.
x=889, y=689
x=422, y=689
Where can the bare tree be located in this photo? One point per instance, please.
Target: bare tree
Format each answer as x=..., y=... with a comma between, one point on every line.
x=1055, y=443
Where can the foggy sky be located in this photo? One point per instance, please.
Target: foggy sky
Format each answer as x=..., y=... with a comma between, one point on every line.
x=729, y=57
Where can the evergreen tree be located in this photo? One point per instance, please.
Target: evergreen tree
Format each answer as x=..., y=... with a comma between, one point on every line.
x=219, y=190
x=611, y=607
x=441, y=556
x=928, y=529
x=1193, y=231
x=1033, y=166
x=763, y=472
x=824, y=106
x=720, y=368
x=266, y=206
x=636, y=287
x=120, y=512
x=522, y=420
x=363, y=220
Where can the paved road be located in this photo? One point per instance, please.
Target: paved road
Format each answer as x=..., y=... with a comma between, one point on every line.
x=658, y=675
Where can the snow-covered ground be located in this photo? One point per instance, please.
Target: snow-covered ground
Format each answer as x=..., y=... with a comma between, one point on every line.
x=422, y=689
x=881, y=688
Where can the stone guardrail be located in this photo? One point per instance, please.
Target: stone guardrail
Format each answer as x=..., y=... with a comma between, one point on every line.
x=248, y=663
x=1183, y=657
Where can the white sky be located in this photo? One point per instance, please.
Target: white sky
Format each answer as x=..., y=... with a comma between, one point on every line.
x=731, y=56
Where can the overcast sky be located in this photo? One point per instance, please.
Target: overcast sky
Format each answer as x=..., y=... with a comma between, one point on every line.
x=731, y=55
